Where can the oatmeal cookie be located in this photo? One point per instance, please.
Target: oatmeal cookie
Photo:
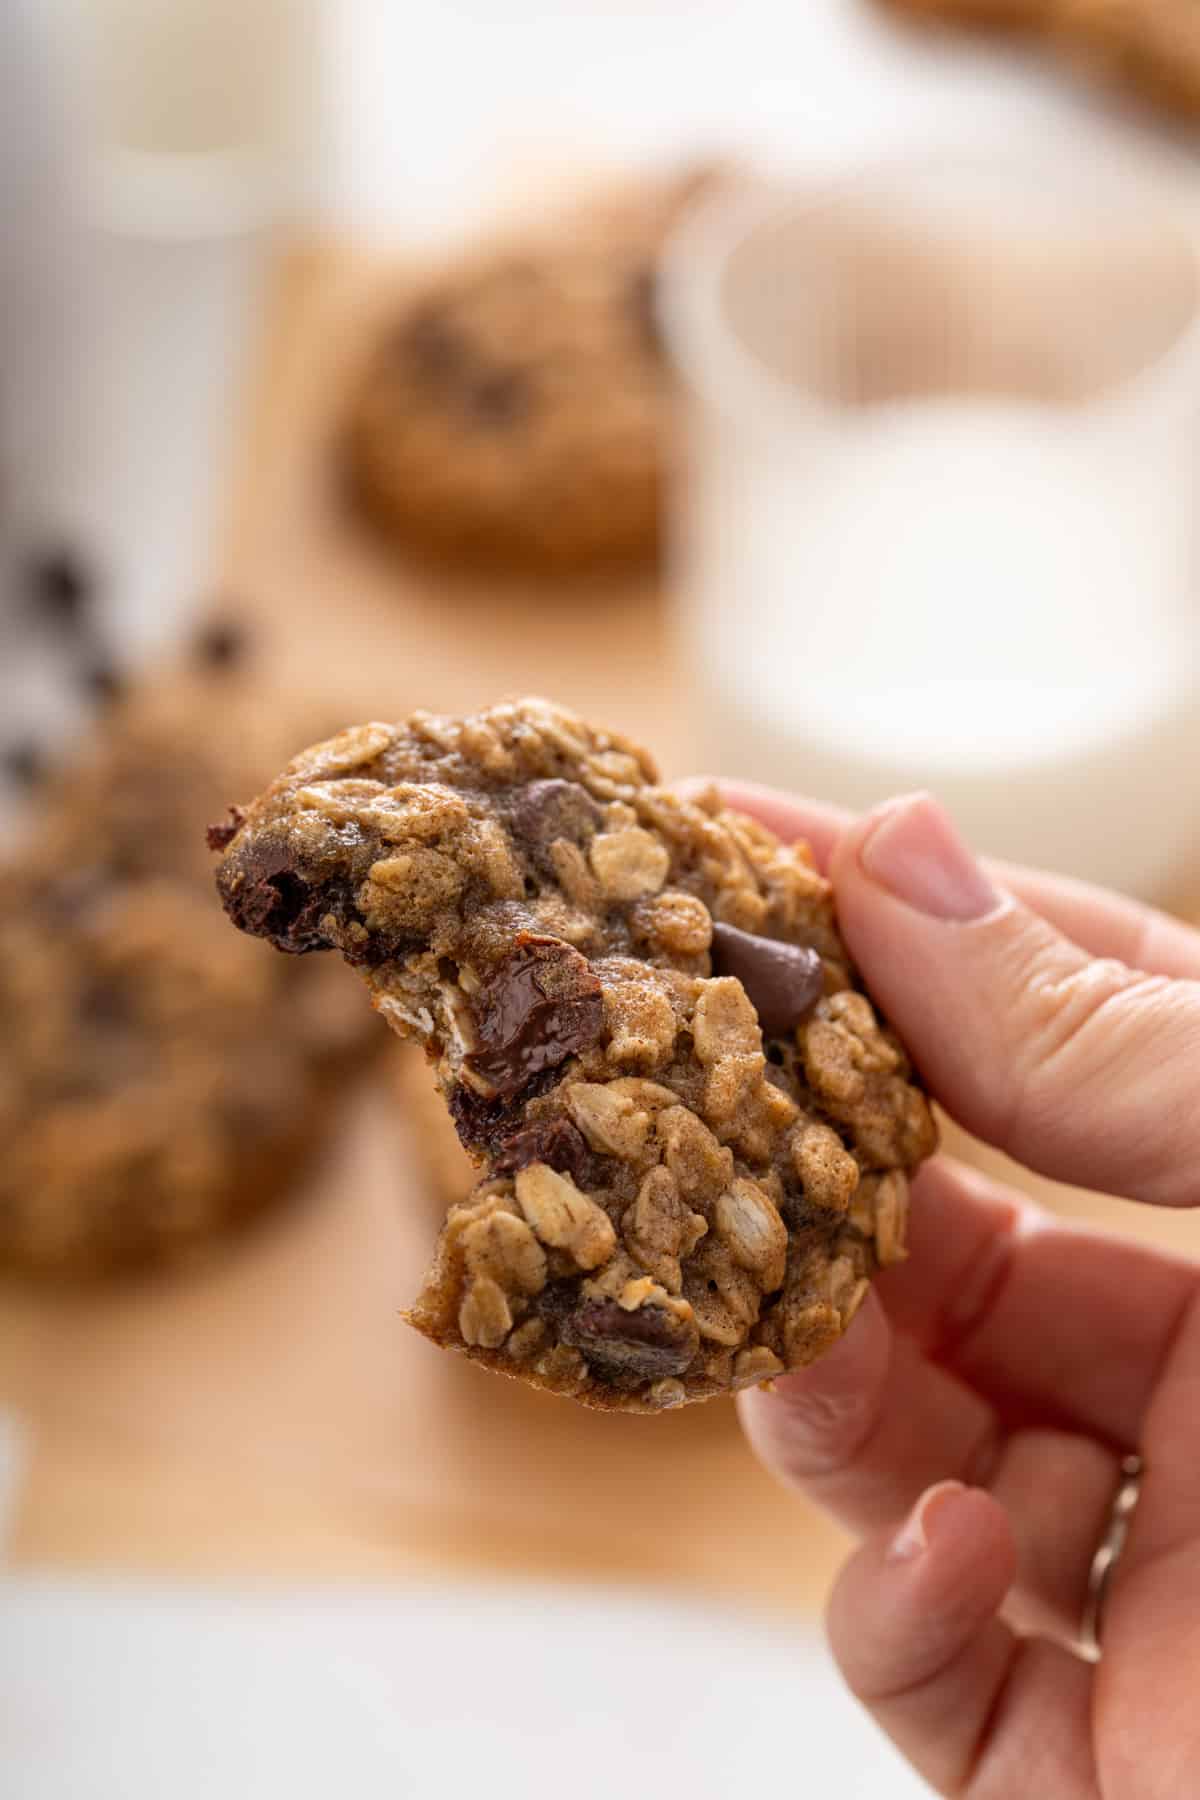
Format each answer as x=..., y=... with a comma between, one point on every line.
x=1151, y=47
x=518, y=409
x=157, y=1083
x=694, y=1131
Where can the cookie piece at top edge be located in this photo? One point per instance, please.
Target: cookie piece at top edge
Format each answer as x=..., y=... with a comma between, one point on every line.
x=1149, y=48
x=982, y=15
x=694, y=1133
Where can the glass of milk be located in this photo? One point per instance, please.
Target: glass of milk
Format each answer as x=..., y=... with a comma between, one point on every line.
x=938, y=524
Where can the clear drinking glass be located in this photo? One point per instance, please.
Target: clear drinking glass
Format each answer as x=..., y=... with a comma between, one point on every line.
x=937, y=529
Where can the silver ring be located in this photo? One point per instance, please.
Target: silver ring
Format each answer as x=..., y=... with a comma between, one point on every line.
x=1108, y=1555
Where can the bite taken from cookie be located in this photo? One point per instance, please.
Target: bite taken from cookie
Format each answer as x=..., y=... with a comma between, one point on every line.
x=694, y=1132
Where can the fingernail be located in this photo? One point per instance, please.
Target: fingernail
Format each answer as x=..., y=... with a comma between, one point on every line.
x=913, y=1536
x=915, y=852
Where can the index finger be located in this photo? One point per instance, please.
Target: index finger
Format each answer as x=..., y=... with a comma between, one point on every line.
x=1099, y=922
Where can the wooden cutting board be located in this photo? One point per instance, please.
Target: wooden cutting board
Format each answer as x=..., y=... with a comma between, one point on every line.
x=269, y=1414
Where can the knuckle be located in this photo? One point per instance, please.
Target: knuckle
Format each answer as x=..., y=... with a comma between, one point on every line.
x=1145, y=932
x=1067, y=1030
x=821, y=1431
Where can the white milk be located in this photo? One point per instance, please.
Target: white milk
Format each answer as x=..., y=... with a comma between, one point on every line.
x=982, y=599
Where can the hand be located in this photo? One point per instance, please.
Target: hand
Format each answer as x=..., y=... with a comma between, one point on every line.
x=971, y=1423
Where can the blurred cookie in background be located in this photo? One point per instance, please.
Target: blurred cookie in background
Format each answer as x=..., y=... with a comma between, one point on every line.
x=160, y=1082
x=517, y=408
x=157, y=772
x=1150, y=48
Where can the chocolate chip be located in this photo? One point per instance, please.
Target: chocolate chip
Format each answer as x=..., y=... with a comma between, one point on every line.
x=482, y=1124
x=500, y=398
x=23, y=762
x=555, y=1142
x=219, y=837
x=265, y=896
x=430, y=342
x=105, y=1005
x=103, y=681
x=642, y=300
x=542, y=1005
x=221, y=644
x=476, y=1120
x=784, y=981
x=644, y=1345
x=60, y=588
x=545, y=810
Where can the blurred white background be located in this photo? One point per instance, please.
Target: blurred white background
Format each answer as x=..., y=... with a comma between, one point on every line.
x=398, y=125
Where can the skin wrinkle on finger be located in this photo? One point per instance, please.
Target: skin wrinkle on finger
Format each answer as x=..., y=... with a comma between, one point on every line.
x=1086, y=1018
x=864, y=1445
x=839, y=1403
x=976, y=1291
x=1128, y=1295
x=1103, y=924
x=1057, y=1006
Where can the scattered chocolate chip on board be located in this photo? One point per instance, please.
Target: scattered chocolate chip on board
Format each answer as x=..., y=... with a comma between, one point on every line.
x=693, y=1131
